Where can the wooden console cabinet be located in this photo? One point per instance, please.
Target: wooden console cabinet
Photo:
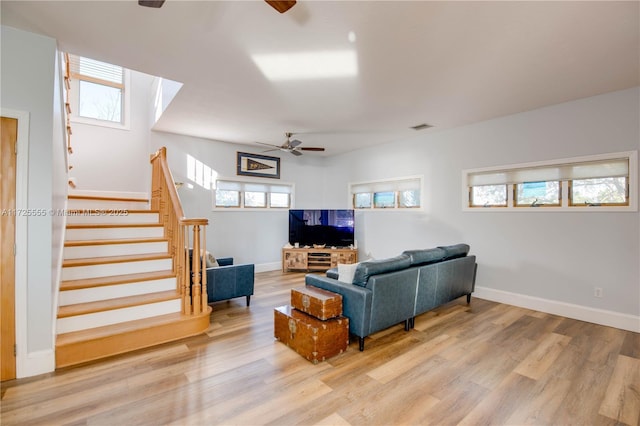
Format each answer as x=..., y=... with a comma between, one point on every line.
x=313, y=259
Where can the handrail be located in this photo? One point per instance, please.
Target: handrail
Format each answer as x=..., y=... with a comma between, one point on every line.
x=165, y=199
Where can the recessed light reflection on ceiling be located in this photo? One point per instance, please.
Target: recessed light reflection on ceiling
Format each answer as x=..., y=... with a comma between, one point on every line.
x=308, y=65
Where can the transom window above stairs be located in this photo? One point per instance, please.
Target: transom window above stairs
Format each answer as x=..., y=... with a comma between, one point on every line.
x=98, y=92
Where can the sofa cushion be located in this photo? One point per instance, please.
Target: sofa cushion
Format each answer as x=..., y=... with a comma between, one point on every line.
x=346, y=272
x=425, y=256
x=455, y=251
x=381, y=266
x=210, y=260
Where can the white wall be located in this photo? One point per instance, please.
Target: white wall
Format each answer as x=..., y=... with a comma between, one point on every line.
x=28, y=72
x=552, y=256
x=111, y=159
x=248, y=236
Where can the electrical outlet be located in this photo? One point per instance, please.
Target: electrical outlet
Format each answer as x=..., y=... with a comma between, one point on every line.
x=597, y=292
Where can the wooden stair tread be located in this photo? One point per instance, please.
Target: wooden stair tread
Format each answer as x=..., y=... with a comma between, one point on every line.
x=90, y=211
x=87, y=261
x=112, y=225
x=79, y=243
x=106, y=198
x=115, y=280
x=116, y=303
x=121, y=328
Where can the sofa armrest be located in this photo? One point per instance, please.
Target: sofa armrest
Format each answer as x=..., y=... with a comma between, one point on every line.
x=225, y=261
x=356, y=301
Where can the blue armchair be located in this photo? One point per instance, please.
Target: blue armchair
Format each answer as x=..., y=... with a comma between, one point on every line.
x=228, y=281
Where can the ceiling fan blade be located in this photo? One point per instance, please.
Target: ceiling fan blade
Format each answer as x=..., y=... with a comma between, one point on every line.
x=295, y=152
x=151, y=3
x=281, y=6
x=294, y=143
x=311, y=148
x=268, y=144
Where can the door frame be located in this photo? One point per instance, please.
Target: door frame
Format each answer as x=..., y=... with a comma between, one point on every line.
x=22, y=173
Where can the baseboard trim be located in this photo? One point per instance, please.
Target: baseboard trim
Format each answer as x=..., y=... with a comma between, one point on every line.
x=36, y=363
x=267, y=267
x=569, y=310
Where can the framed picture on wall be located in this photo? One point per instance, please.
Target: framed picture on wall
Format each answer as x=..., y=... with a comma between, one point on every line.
x=258, y=165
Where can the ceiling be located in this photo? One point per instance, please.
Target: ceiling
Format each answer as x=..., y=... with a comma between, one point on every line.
x=447, y=64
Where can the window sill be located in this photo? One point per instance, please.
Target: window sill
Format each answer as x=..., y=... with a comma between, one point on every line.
x=100, y=123
x=577, y=209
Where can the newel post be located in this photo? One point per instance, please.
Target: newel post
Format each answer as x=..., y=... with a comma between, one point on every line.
x=197, y=257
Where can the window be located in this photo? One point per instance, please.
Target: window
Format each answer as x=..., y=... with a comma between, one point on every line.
x=362, y=200
x=488, y=196
x=252, y=195
x=400, y=193
x=384, y=200
x=409, y=198
x=97, y=91
x=537, y=194
x=279, y=200
x=255, y=199
x=595, y=181
x=227, y=198
x=611, y=191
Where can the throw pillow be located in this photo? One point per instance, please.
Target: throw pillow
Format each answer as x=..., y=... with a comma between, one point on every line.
x=346, y=272
x=210, y=260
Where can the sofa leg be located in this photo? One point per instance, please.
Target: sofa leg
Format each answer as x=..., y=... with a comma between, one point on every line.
x=413, y=322
x=468, y=298
x=407, y=324
x=248, y=300
x=361, y=343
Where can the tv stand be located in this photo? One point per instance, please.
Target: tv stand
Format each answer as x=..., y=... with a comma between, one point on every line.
x=316, y=259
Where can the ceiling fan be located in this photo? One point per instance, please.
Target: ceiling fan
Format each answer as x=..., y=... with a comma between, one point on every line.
x=280, y=6
x=291, y=146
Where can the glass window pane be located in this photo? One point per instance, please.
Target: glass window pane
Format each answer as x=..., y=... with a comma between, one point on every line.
x=279, y=200
x=489, y=196
x=409, y=198
x=255, y=199
x=384, y=199
x=362, y=200
x=538, y=194
x=225, y=198
x=100, y=102
x=599, y=191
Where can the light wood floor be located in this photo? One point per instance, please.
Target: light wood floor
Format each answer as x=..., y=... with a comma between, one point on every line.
x=486, y=363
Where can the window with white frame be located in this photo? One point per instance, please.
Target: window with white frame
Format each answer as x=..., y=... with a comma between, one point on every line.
x=608, y=180
x=252, y=195
x=97, y=91
x=397, y=193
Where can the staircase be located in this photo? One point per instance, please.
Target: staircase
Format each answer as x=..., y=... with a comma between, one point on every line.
x=124, y=283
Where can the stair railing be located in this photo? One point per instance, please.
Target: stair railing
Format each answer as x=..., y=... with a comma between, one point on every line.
x=178, y=229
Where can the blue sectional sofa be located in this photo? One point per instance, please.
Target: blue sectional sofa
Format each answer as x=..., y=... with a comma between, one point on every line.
x=390, y=291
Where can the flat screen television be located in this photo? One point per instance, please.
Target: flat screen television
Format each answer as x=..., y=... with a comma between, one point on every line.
x=329, y=227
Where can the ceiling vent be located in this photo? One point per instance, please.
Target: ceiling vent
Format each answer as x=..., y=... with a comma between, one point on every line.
x=421, y=126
